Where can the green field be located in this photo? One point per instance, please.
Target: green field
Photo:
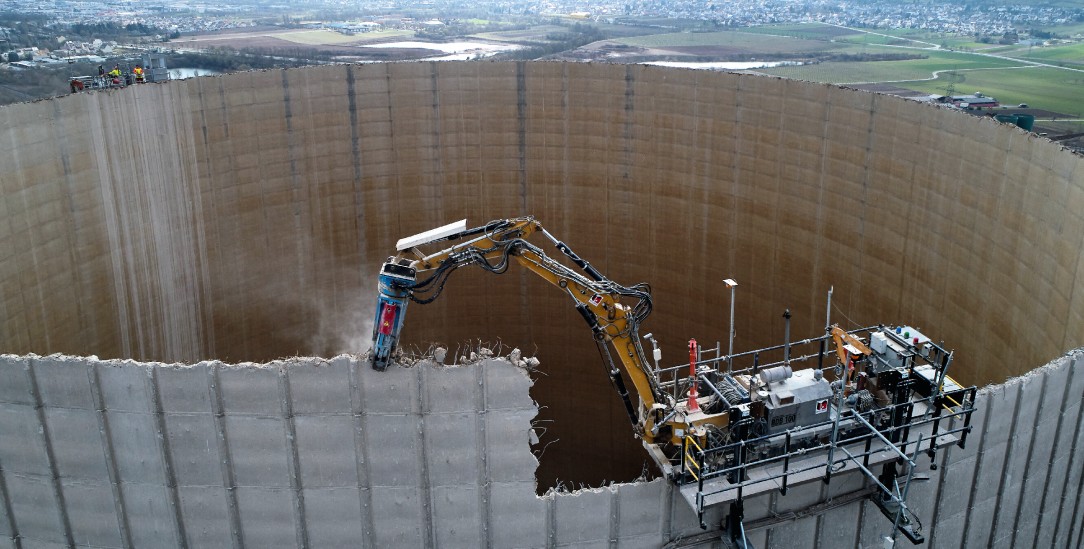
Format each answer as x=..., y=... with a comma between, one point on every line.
x=888, y=71
x=831, y=33
x=740, y=40
x=805, y=31
x=1043, y=88
x=879, y=38
x=1040, y=87
x=1069, y=30
x=1069, y=55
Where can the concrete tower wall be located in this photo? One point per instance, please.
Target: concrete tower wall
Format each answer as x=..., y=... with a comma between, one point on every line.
x=315, y=453
x=244, y=217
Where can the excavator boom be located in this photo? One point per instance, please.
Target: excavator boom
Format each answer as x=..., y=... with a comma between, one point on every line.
x=415, y=276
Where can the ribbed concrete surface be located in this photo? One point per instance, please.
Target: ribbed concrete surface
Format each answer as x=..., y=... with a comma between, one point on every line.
x=315, y=453
x=243, y=218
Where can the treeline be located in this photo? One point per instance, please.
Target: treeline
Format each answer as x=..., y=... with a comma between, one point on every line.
x=232, y=60
x=24, y=29
x=455, y=29
x=862, y=57
x=577, y=35
x=28, y=85
x=109, y=28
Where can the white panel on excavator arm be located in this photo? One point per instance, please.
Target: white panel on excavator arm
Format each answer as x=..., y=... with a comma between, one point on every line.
x=431, y=235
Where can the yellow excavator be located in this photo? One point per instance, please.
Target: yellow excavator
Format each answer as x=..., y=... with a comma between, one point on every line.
x=612, y=311
x=891, y=398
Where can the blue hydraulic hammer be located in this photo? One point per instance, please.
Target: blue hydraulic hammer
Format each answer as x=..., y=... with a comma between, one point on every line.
x=396, y=286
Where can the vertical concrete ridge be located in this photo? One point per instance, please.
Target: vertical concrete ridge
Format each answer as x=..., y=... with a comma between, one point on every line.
x=666, y=503
x=162, y=435
x=1049, y=491
x=941, y=480
x=426, y=488
x=551, y=520
x=1075, y=532
x=392, y=136
x=435, y=84
x=1029, y=466
x=976, y=479
x=50, y=455
x=615, y=521
x=9, y=511
x=356, y=160
x=521, y=121
x=1010, y=454
x=110, y=454
x=362, y=456
x=229, y=483
x=480, y=389
x=1058, y=476
x=293, y=462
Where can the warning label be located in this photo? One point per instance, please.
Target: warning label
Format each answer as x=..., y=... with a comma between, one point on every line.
x=822, y=406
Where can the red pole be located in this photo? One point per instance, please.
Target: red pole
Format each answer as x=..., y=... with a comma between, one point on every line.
x=693, y=406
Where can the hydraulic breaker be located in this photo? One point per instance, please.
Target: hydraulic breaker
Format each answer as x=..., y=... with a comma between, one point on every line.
x=396, y=282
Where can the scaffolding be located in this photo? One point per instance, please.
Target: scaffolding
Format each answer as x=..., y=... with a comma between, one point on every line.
x=915, y=408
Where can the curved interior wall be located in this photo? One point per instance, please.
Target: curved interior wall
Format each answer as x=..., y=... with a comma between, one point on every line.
x=244, y=218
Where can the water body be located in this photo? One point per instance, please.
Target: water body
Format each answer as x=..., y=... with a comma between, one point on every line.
x=724, y=65
x=182, y=73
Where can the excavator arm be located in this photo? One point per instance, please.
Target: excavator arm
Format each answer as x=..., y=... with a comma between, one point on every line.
x=848, y=344
x=612, y=311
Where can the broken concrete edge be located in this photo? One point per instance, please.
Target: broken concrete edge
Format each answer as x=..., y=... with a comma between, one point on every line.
x=436, y=356
x=470, y=352
x=1054, y=364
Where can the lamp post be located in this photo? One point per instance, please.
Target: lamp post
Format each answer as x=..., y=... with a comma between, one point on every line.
x=730, y=283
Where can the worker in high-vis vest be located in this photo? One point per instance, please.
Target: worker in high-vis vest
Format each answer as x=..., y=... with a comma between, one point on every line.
x=138, y=71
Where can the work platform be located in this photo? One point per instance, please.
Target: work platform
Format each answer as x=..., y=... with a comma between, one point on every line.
x=808, y=465
x=889, y=402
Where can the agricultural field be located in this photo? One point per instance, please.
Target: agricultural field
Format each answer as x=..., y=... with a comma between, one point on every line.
x=884, y=39
x=1068, y=30
x=806, y=31
x=739, y=41
x=892, y=71
x=1040, y=87
x=315, y=37
x=533, y=34
x=1070, y=55
x=834, y=33
x=284, y=38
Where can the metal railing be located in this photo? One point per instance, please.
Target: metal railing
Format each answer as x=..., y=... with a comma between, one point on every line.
x=730, y=460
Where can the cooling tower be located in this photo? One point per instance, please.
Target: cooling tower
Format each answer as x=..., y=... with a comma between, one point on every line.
x=243, y=218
